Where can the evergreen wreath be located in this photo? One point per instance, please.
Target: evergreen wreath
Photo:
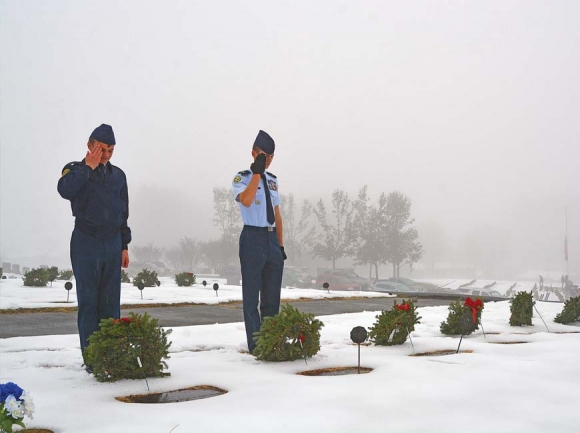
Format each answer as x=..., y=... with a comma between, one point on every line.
x=287, y=336
x=146, y=277
x=113, y=349
x=522, y=309
x=394, y=326
x=185, y=279
x=570, y=313
x=454, y=325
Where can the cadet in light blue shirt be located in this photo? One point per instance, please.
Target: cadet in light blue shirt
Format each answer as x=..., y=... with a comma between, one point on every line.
x=261, y=241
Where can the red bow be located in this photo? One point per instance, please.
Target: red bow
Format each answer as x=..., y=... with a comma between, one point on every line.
x=302, y=338
x=403, y=307
x=122, y=320
x=474, y=305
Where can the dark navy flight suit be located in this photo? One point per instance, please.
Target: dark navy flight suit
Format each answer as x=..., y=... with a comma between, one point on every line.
x=100, y=203
x=261, y=258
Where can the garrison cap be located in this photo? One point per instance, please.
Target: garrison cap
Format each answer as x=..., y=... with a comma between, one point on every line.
x=265, y=142
x=104, y=134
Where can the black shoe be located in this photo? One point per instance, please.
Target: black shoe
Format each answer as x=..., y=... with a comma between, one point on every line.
x=89, y=369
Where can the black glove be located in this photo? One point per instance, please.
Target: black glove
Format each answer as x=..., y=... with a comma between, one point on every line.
x=283, y=253
x=259, y=165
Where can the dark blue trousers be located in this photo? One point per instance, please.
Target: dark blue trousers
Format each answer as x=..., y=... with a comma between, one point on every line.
x=96, y=266
x=262, y=268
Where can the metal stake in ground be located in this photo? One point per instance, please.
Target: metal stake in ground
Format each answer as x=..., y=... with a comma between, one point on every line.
x=216, y=287
x=483, y=330
x=465, y=325
x=67, y=286
x=358, y=335
x=141, y=286
x=326, y=286
x=541, y=317
x=140, y=364
x=410, y=339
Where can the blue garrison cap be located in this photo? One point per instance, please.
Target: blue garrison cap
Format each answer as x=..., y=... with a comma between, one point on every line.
x=265, y=142
x=104, y=134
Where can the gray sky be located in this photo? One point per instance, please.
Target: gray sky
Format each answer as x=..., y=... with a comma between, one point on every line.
x=469, y=108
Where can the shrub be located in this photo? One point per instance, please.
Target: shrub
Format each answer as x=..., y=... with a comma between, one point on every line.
x=124, y=276
x=65, y=275
x=522, y=309
x=52, y=274
x=460, y=320
x=1, y=272
x=146, y=277
x=287, y=336
x=36, y=278
x=113, y=349
x=393, y=326
x=570, y=313
x=185, y=279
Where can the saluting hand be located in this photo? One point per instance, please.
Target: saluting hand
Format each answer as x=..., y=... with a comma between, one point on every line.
x=93, y=157
x=259, y=165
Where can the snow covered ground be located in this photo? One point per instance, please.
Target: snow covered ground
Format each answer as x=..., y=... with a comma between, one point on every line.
x=13, y=294
x=528, y=386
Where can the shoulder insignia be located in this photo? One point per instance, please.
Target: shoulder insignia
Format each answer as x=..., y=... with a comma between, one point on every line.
x=270, y=174
x=237, y=179
x=68, y=167
x=244, y=173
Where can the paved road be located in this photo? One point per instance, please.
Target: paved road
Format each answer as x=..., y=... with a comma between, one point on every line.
x=52, y=323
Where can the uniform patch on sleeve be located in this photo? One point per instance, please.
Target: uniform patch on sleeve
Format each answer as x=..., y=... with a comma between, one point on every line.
x=272, y=185
x=64, y=172
x=237, y=179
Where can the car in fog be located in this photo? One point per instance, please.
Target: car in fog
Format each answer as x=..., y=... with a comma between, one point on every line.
x=389, y=287
x=296, y=277
x=415, y=286
x=478, y=291
x=342, y=279
x=159, y=267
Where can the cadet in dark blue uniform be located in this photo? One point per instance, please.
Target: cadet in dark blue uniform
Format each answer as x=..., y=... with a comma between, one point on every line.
x=261, y=242
x=99, y=200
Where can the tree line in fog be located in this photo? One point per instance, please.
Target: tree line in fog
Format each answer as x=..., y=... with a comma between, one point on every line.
x=370, y=233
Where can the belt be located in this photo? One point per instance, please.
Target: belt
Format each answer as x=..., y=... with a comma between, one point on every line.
x=260, y=229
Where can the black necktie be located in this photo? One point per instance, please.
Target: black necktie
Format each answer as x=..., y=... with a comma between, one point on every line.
x=269, y=208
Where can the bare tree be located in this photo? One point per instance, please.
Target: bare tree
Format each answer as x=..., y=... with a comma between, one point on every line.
x=298, y=229
x=336, y=238
x=226, y=213
x=219, y=253
x=402, y=246
x=370, y=229
x=186, y=255
x=147, y=253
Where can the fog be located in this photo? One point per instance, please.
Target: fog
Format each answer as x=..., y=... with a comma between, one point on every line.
x=468, y=108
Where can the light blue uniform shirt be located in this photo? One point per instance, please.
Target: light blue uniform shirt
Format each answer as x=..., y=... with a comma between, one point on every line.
x=255, y=214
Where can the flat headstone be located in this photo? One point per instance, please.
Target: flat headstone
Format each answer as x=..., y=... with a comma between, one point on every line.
x=441, y=352
x=177, y=396
x=336, y=371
